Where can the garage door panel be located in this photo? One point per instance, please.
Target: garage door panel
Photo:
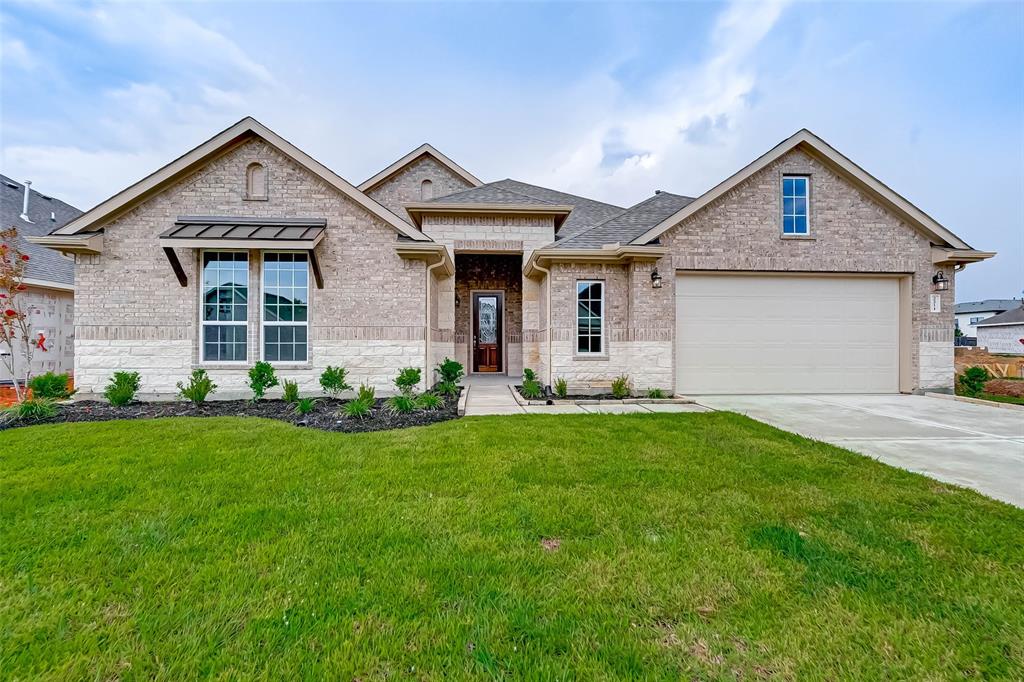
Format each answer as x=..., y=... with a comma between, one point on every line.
x=786, y=334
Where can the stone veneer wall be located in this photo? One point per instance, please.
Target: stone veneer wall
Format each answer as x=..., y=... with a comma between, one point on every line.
x=132, y=314
x=850, y=232
x=496, y=234
x=51, y=311
x=404, y=186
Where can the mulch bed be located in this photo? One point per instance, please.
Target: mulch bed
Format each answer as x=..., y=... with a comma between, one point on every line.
x=324, y=416
x=1010, y=387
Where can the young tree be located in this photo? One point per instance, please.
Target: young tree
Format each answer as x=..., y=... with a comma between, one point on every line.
x=15, y=327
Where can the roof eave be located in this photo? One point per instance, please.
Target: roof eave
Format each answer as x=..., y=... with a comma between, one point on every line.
x=430, y=252
x=90, y=243
x=945, y=256
x=418, y=209
x=610, y=254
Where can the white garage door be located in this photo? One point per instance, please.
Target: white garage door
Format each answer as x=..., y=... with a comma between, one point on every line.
x=786, y=334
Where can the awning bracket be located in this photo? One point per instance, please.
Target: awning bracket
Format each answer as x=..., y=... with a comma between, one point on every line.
x=179, y=271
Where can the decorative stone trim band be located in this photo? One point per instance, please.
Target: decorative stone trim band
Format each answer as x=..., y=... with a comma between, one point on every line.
x=499, y=245
x=367, y=333
x=642, y=334
x=442, y=335
x=937, y=334
x=779, y=264
x=535, y=335
x=134, y=332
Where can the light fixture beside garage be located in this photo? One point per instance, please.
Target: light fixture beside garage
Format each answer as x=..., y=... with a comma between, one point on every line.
x=655, y=279
x=939, y=282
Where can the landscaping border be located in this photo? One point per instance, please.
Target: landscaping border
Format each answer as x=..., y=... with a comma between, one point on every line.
x=523, y=402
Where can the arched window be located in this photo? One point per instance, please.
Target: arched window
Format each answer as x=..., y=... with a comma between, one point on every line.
x=426, y=190
x=255, y=181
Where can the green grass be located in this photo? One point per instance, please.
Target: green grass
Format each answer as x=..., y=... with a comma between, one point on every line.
x=1013, y=400
x=688, y=546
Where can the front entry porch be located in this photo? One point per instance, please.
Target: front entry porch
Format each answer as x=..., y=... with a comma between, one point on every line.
x=489, y=313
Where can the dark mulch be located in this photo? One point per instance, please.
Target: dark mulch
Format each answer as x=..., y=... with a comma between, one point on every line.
x=324, y=416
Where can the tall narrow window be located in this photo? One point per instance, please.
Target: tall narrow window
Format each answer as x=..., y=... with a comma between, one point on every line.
x=794, y=204
x=225, y=306
x=590, y=317
x=255, y=181
x=285, y=307
x=426, y=190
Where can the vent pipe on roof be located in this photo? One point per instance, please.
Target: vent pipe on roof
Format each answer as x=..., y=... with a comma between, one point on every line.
x=24, y=203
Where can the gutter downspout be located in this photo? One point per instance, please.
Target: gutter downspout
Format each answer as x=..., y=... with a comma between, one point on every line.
x=547, y=311
x=426, y=337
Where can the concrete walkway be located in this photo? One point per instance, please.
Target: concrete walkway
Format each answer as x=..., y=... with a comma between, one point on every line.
x=492, y=394
x=976, y=446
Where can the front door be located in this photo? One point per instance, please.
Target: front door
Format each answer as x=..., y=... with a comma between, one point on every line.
x=487, y=332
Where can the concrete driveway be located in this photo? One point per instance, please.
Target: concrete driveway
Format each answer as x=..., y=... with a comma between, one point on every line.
x=976, y=446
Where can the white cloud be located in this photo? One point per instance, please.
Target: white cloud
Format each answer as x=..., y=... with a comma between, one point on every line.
x=13, y=52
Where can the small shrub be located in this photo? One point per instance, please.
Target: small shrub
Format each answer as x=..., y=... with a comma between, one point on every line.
x=122, y=388
x=561, y=387
x=407, y=380
x=532, y=390
x=333, y=381
x=656, y=394
x=198, y=388
x=367, y=394
x=261, y=377
x=620, y=387
x=50, y=385
x=33, y=409
x=357, y=409
x=429, y=401
x=291, y=391
x=304, y=406
x=529, y=375
x=450, y=371
x=972, y=381
x=401, y=404
x=447, y=389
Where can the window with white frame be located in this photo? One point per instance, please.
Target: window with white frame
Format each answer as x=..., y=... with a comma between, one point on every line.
x=976, y=320
x=795, y=192
x=285, y=307
x=225, y=305
x=589, y=317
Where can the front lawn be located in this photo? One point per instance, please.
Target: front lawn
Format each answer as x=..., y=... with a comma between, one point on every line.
x=655, y=546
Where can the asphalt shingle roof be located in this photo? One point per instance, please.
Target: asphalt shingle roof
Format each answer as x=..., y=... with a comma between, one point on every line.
x=585, y=213
x=987, y=306
x=1014, y=316
x=44, y=263
x=627, y=225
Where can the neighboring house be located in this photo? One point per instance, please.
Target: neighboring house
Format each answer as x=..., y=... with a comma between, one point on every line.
x=801, y=273
x=1003, y=333
x=49, y=275
x=969, y=314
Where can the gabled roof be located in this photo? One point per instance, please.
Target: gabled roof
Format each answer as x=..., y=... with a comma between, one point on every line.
x=1010, y=317
x=44, y=265
x=819, y=149
x=627, y=225
x=989, y=305
x=423, y=150
x=585, y=212
x=244, y=129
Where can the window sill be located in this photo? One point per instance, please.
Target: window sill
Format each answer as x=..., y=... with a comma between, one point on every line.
x=221, y=365
x=798, y=237
x=255, y=198
x=599, y=357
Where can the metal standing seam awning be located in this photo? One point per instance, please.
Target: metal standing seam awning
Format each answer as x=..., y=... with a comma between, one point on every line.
x=217, y=232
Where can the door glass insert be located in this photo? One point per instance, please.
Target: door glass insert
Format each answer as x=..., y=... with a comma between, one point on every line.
x=487, y=318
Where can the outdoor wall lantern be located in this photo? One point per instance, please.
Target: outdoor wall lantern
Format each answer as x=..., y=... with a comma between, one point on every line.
x=458, y=300
x=939, y=282
x=655, y=279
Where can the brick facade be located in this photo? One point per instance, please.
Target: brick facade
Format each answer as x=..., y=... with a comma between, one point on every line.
x=406, y=185
x=132, y=313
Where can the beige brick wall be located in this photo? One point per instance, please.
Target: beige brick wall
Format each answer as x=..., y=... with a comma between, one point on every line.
x=370, y=313
x=405, y=186
x=850, y=232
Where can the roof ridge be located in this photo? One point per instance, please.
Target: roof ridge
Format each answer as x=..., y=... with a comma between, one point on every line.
x=556, y=191
x=620, y=214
